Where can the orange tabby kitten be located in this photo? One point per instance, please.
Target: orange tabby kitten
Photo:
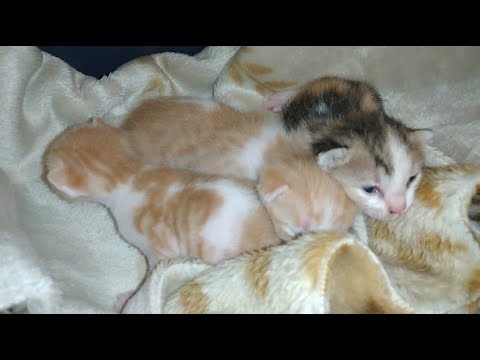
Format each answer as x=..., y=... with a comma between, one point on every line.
x=301, y=198
x=170, y=213
x=208, y=137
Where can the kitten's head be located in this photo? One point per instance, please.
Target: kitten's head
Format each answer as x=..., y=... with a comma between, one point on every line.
x=89, y=160
x=378, y=160
x=327, y=98
x=301, y=198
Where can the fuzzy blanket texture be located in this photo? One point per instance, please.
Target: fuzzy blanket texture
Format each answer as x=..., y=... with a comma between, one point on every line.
x=61, y=257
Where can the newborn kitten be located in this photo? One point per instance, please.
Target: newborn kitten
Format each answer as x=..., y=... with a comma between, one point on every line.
x=204, y=136
x=378, y=159
x=301, y=198
x=169, y=213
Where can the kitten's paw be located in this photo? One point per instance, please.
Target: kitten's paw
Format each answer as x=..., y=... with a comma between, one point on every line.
x=277, y=101
x=121, y=300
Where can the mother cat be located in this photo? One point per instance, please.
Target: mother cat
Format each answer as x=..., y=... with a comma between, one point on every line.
x=376, y=158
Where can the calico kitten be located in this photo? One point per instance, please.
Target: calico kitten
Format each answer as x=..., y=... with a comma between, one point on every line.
x=169, y=213
x=378, y=159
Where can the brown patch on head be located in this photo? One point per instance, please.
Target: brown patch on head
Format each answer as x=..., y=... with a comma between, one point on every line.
x=330, y=97
x=86, y=151
x=473, y=284
x=256, y=272
x=356, y=285
x=420, y=253
x=367, y=97
x=193, y=299
x=327, y=83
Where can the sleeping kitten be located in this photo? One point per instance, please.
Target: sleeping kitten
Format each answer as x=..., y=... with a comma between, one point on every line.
x=377, y=159
x=204, y=136
x=210, y=137
x=169, y=213
x=301, y=198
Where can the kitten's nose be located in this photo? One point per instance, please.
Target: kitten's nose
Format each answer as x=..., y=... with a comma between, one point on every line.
x=397, y=208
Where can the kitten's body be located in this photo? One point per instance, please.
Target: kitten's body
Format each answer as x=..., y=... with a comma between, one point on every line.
x=376, y=158
x=205, y=136
x=169, y=213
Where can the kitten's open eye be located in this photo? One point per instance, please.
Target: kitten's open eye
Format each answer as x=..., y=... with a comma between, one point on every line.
x=371, y=189
x=411, y=179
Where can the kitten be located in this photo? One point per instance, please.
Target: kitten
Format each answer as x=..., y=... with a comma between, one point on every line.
x=378, y=160
x=204, y=136
x=301, y=198
x=169, y=213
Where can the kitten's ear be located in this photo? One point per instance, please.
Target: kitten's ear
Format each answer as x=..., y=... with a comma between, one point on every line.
x=273, y=194
x=277, y=101
x=58, y=179
x=333, y=158
x=271, y=185
x=424, y=135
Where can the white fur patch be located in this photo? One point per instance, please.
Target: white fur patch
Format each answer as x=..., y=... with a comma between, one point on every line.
x=402, y=165
x=224, y=230
x=123, y=202
x=252, y=156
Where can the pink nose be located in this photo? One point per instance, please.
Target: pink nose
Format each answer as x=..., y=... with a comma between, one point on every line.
x=397, y=208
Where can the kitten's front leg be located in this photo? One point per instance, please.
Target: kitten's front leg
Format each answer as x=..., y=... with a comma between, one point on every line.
x=277, y=101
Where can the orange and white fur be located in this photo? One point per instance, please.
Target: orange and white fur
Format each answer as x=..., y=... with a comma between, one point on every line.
x=170, y=213
x=210, y=137
x=206, y=136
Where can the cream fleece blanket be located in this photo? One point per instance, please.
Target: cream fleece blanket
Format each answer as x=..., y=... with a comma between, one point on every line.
x=67, y=258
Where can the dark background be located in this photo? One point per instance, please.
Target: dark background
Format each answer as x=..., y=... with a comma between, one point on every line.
x=98, y=61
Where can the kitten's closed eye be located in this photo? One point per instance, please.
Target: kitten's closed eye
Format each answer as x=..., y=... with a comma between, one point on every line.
x=411, y=179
